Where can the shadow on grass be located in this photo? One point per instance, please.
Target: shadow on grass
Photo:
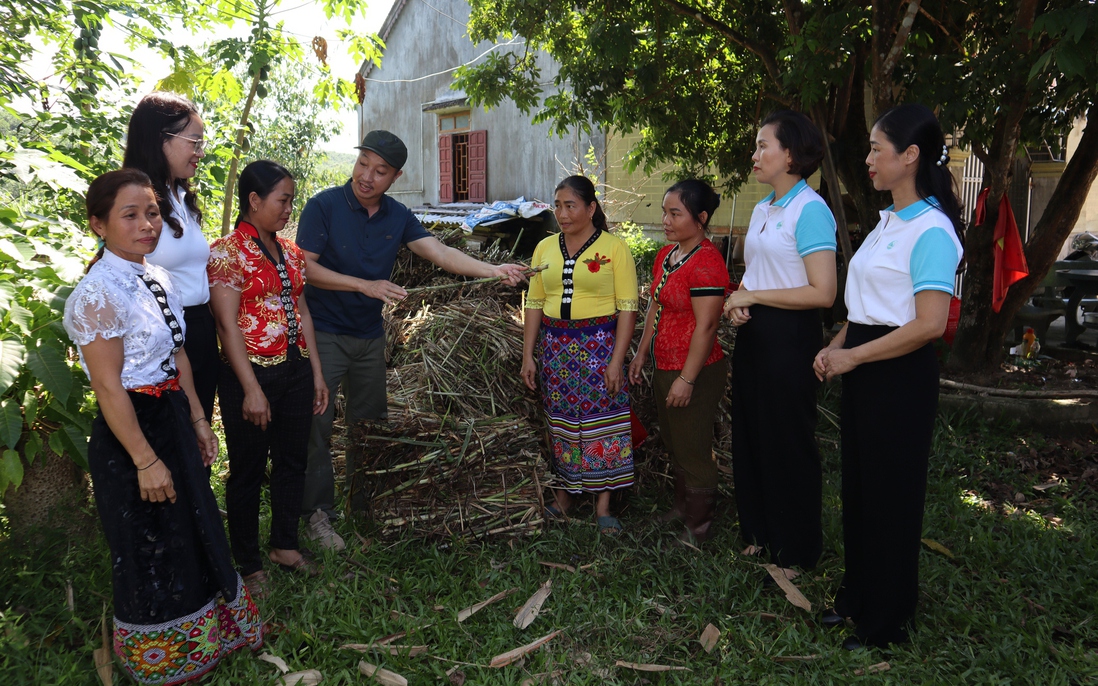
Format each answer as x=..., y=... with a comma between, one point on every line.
x=1016, y=603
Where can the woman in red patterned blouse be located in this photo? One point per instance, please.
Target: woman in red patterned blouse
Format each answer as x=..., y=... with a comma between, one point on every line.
x=689, y=280
x=270, y=386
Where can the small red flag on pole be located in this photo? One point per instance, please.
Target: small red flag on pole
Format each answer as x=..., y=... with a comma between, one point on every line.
x=1010, y=259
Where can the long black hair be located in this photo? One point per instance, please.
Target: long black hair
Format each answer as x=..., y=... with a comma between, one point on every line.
x=582, y=186
x=103, y=191
x=259, y=177
x=697, y=196
x=158, y=114
x=914, y=124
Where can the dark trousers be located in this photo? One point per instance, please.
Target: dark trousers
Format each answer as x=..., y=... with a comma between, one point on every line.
x=687, y=432
x=888, y=411
x=201, y=349
x=775, y=460
x=289, y=390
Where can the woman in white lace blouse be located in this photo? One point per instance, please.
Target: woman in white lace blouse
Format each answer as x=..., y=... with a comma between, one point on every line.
x=150, y=443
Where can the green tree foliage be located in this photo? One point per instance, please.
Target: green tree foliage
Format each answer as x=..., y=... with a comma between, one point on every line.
x=54, y=139
x=695, y=78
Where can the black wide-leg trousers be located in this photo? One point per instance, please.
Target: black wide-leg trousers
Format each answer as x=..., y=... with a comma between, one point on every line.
x=888, y=412
x=775, y=460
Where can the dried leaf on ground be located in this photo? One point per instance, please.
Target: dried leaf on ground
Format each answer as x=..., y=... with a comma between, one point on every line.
x=529, y=612
x=873, y=669
x=792, y=593
x=103, y=656
x=382, y=676
x=641, y=667
x=504, y=659
x=709, y=637
x=937, y=547
x=310, y=677
x=558, y=565
x=472, y=610
x=456, y=676
x=276, y=661
x=796, y=658
x=390, y=648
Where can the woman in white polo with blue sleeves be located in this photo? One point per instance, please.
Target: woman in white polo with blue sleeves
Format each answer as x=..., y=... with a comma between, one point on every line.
x=897, y=293
x=789, y=251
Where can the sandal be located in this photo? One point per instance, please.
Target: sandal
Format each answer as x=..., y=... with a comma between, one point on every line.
x=610, y=526
x=303, y=566
x=258, y=585
x=552, y=512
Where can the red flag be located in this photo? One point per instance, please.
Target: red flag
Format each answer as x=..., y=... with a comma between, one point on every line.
x=1010, y=259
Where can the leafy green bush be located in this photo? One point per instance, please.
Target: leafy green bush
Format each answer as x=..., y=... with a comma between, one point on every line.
x=43, y=392
x=644, y=249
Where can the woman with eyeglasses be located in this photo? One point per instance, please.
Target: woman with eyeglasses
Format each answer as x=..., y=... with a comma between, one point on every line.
x=165, y=140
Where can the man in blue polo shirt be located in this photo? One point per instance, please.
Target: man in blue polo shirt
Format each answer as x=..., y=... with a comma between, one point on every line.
x=351, y=235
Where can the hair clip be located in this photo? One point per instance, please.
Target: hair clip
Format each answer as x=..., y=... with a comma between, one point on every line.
x=945, y=156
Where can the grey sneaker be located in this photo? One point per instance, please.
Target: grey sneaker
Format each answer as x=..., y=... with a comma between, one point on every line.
x=319, y=530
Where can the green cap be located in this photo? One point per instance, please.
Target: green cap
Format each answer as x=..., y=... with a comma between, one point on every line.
x=391, y=148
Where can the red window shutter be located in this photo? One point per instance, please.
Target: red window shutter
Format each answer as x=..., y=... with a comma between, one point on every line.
x=478, y=166
x=445, y=168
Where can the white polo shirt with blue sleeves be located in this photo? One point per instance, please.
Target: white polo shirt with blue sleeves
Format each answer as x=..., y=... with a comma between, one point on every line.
x=781, y=234
x=913, y=250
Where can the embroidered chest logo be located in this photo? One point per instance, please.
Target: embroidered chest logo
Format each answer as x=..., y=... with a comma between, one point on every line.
x=891, y=245
x=778, y=227
x=595, y=263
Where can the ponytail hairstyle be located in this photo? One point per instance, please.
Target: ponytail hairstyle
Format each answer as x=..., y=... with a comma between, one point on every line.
x=914, y=124
x=158, y=114
x=103, y=191
x=582, y=186
x=259, y=177
x=697, y=196
x=800, y=138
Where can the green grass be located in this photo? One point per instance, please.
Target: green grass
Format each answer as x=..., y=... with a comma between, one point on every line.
x=1016, y=604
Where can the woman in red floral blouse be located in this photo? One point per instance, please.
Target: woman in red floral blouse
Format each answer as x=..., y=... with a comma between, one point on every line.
x=689, y=280
x=270, y=386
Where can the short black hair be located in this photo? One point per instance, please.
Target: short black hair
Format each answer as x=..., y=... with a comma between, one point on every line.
x=800, y=137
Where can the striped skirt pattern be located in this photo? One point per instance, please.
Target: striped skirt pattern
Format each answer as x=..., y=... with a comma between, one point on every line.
x=590, y=429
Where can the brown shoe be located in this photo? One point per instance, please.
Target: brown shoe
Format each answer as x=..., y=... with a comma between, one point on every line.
x=678, y=509
x=258, y=585
x=699, y=514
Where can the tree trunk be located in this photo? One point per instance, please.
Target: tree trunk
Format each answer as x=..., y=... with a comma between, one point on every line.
x=53, y=499
x=984, y=345
x=230, y=180
x=978, y=343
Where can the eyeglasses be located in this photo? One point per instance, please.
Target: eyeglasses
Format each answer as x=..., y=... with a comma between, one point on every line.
x=199, y=143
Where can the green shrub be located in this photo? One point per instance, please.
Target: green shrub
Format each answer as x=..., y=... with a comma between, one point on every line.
x=644, y=249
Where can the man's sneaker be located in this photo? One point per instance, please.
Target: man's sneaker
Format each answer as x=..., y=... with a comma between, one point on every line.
x=319, y=530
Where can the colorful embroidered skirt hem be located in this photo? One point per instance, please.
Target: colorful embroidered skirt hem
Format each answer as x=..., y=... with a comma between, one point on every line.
x=189, y=647
x=592, y=444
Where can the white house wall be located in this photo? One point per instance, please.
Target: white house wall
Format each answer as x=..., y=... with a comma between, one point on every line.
x=424, y=44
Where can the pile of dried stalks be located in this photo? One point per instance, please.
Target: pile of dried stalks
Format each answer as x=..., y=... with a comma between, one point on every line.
x=462, y=453
x=441, y=477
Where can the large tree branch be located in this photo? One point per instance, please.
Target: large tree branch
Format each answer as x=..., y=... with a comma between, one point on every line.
x=902, y=33
x=767, y=56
